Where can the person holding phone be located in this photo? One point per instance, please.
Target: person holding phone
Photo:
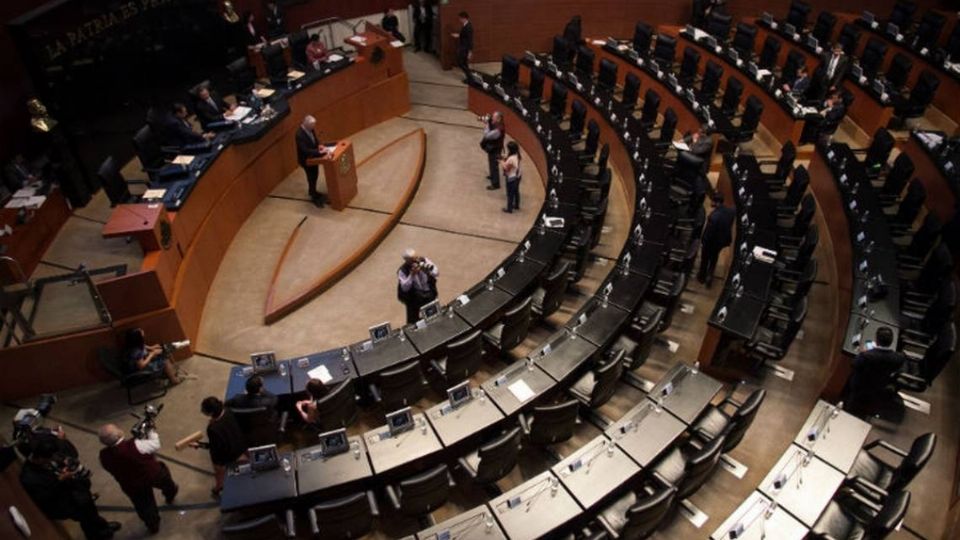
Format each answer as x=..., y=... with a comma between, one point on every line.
x=416, y=283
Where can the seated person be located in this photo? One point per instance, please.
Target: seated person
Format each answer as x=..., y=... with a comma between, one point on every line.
x=829, y=115
x=210, y=107
x=316, y=51
x=701, y=145
x=873, y=370
x=142, y=357
x=799, y=85
x=18, y=174
x=178, y=131
x=391, y=24
x=255, y=396
x=308, y=407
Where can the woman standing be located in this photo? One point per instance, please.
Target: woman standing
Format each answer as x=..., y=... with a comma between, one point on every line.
x=513, y=175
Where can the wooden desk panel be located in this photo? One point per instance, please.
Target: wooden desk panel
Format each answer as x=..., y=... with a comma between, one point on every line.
x=940, y=198
x=30, y=240
x=787, y=45
x=866, y=110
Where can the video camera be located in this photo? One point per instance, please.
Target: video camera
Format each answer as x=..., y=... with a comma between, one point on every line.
x=168, y=348
x=28, y=422
x=146, y=423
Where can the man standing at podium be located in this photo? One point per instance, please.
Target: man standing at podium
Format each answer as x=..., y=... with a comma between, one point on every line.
x=308, y=147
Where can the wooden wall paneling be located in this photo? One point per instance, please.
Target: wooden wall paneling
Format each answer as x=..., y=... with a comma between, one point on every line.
x=145, y=286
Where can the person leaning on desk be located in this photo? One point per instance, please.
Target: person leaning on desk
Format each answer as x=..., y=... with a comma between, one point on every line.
x=831, y=114
x=873, y=369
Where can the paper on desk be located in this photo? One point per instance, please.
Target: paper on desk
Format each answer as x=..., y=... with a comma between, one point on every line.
x=680, y=145
x=25, y=192
x=521, y=390
x=809, y=110
x=320, y=372
x=153, y=194
x=598, y=42
x=764, y=72
x=238, y=114
x=396, y=43
x=698, y=34
x=16, y=202
x=183, y=160
x=264, y=93
x=334, y=58
x=294, y=74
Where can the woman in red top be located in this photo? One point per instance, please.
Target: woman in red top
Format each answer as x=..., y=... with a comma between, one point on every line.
x=316, y=51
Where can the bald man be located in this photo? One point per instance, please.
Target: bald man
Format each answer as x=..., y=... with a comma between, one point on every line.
x=309, y=147
x=416, y=283
x=135, y=467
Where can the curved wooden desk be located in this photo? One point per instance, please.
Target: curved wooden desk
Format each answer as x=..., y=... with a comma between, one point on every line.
x=941, y=191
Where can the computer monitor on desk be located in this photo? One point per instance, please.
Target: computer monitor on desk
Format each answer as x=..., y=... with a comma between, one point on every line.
x=400, y=421
x=264, y=458
x=379, y=332
x=459, y=394
x=334, y=442
x=430, y=310
x=264, y=362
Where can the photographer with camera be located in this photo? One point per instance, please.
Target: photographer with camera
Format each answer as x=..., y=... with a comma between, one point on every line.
x=60, y=487
x=155, y=358
x=417, y=283
x=134, y=465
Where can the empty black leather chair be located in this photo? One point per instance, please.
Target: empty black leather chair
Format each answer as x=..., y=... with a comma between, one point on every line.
x=242, y=76
x=585, y=61
x=665, y=51
x=689, y=66
x=921, y=96
x=547, y=299
x=923, y=240
x=930, y=357
x=909, y=207
x=591, y=144
x=636, y=517
x=899, y=71
x=461, y=358
x=770, y=53
x=902, y=14
x=562, y=51
x=849, y=38
x=877, y=154
x=718, y=25
x=631, y=91
x=535, y=89
x=399, y=387
x=845, y=521
x=749, y=121
x=550, y=424
x=421, y=494
x=298, y=50
x=642, y=38
x=871, y=60
x=929, y=29
x=276, y=65
x=732, y=423
x=337, y=409
x=776, y=179
x=666, y=131
x=823, y=28
x=598, y=385
x=495, y=459
x=773, y=337
x=259, y=425
x=114, y=184
x=511, y=330
x=647, y=323
x=797, y=15
x=688, y=468
x=795, y=191
x=344, y=518
x=607, y=75
x=869, y=472
x=651, y=105
x=896, y=179
x=578, y=116
x=558, y=100
x=731, y=96
x=710, y=84
x=509, y=71
x=743, y=39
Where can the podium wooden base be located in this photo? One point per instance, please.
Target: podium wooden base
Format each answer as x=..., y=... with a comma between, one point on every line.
x=340, y=172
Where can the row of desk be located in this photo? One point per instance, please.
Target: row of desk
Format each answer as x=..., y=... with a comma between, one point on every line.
x=791, y=498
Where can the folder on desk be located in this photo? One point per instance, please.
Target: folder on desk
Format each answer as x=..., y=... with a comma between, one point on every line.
x=238, y=114
x=521, y=390
x=153, y=194
x=321, y=372
x=294, y=74
x=182, y=160
x=263, y=93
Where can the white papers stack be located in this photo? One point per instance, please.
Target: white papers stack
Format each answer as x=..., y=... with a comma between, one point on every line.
x=764, y=73
x=183, y=160
x=153, y=194
x=699, y=34
x=264, y=93
x=294, y=74
x=521, y=390
x=238, y=113
x=25, y=202
x=320, y=372
x=680, y=145
x=598, y=42
x=809, y=110
x=396, y=43
x=25, y=192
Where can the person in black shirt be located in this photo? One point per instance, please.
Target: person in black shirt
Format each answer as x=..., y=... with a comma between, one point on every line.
x=225, y=439
x=59, y=494
x=275, y=26
x=716, y=236
x=309, y=147
x=422, y=25
x=391, y=24
x=210, y=107
x=254, y=397
x=873, y=370
x=178, y=131
x=464, y=44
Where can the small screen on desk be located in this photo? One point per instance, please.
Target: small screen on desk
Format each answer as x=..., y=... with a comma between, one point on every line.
x=263, y=362
x=459, y=394
x=334, y=442
x=264, y=458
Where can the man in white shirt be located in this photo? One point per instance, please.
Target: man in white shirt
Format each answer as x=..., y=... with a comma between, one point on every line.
x=416, y=283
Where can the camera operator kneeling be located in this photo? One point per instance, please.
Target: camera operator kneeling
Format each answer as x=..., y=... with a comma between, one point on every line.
x=60, y=493
x=135, y=467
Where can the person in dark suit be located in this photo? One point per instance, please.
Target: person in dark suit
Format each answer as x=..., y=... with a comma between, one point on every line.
x=226, y=441
x=716, y=236
x=275, y=25
x=464, y=44
x=700, y=144
x=177, y=130
x=308, y=147
x=255, y=396
x=799, y=85
x=391, y=24
x=250, y=33
x=820, y=123
x=873, y=370
x=422, y=26
x=210, y=107
x=836, y=65
x=307, y=408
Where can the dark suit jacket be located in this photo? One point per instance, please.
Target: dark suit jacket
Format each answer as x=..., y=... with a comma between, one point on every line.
x=306, y=148
x=834, y=114
x=717, y=232
x=227, y=442
x=247, y=401
x=873, y=369
x=465, y=43
x=701, y=148
x=428, y=14
x=800, y=86
x=208, y=114
x=843, y=65
x=275, y=26
x=178, y=132
x=390, y=23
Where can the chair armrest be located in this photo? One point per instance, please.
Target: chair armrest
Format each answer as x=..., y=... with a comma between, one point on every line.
x=661, y=480
x=524, y=423
x=314, y=526
x=290, y=525
x=375, y=392
x=466, y=467
x=607, y=528
x=284, y=417
x=435, y=364
x=392, y=495
x=910, y=382
x=374, y=509
x=450, y=481
x=868, y=489
x=888, y=447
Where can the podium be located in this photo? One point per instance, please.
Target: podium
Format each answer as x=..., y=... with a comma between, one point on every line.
x=340, y=172
x=146, y=222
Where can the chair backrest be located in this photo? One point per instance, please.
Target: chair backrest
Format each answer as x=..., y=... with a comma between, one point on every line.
x=912, y=202
x=788, y=154
x=823, y=28
x=940, y=354
x=561, y=51
x=690, y=63
x=797, y=15
x=401, y=386
x=792, y=64
x=665, y=51
x=258, y=424
x=263, y=527
x=554, y=423
x=113, y=182
x=900, y=173
x=275, y=62
x=578, y=116
x=925, y=90
x=554, y=286
x=558, y=99
x=752, y=112
x=926, y=236
x=651, y=103
x=804, y=216
x=536, y=84
x=603, y=158
x=743, y=418
x=889, y=517
x=718, y=25
x=346, y=517
x=464, y=356
x=421, y=494
x=929, y=29
x=242, y=76
x=731, y=95
x=298, y=47
x=700, y=466
x=669, y=125
x=899, y=70
x=871, y=60
x=712, y=76
x=147, y=148
x=516, y=324
x=509, y=71
x=607, y=74
x=920, y=453
x=606, y=376
x=770, y=52
x=647, y=336
x=744, y=38
x=642, y=38
x=592, y=141
x=879, y=151
x=498, y=457
x=849, y=37
x=585, y=60
x=631, y=90
x=902, y=13
x=673, y=300
x=939, y=265
x=338, y=408
x=648, y=513
x=797, y=187
x=941, y=309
